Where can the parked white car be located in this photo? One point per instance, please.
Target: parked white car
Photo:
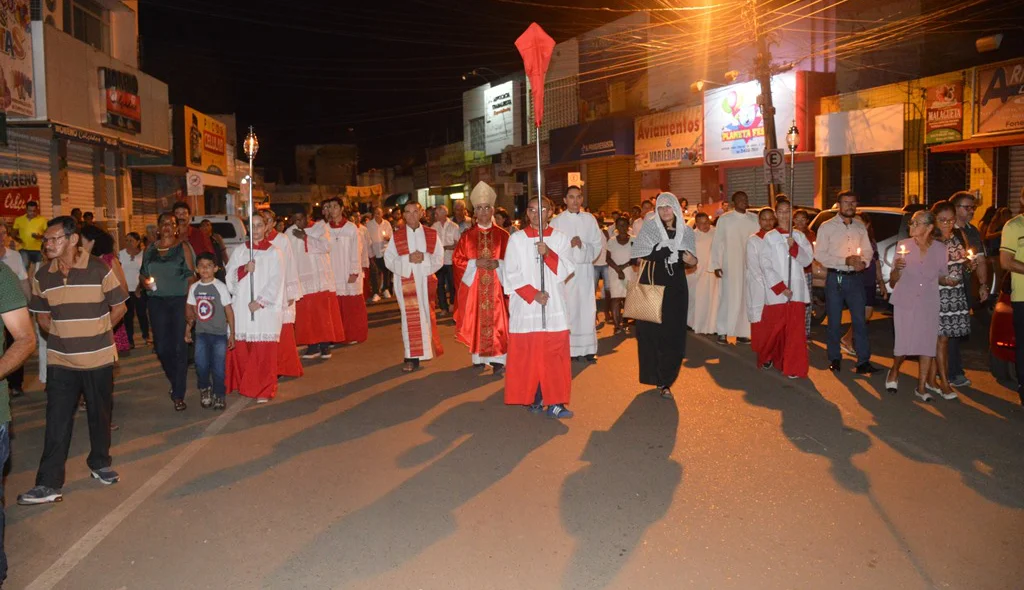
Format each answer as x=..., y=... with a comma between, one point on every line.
x=230, y=228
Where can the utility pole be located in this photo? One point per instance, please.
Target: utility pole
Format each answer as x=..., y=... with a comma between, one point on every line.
x=763, y=73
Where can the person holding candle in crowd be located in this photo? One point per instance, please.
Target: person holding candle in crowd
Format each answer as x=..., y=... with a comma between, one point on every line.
x=918, y=271
x=380, y=232
x=843, y=247
x=954, y=311
x=965, y=205
x=168, y=270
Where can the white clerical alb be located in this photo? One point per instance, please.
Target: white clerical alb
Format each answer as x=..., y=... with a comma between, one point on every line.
x=728, y=254
x=582, y=303
x=421, y=272
x=704, y=290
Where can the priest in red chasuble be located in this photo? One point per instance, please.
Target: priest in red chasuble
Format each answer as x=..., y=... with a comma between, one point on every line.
x=481, y=316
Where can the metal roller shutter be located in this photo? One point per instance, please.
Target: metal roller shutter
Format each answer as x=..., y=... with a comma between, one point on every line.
x=145, y=206
x=556, y=182
x=749, y=180
x=685, y=183
x=81, y=181
x=28, y=152
x=804, y=184
x=621, y=174
x=1016, y=177
x=596, y=186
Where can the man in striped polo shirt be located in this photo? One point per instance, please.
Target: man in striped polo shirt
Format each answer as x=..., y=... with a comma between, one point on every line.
x=77, y=299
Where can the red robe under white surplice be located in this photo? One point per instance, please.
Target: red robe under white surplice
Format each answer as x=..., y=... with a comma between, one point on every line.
x=481, y=316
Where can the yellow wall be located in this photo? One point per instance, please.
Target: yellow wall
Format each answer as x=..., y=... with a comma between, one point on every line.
x=911, y=93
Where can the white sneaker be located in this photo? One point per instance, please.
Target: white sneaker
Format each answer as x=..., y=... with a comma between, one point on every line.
x=387, y=294
x=375, y=298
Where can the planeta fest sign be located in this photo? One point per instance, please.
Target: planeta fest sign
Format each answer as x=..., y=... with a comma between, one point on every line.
x=944, y=113
x=16, y=190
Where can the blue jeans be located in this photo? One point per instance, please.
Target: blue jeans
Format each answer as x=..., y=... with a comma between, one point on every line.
x=846, y=290
x=5, y=452
x=211, y=352
x=167, y=319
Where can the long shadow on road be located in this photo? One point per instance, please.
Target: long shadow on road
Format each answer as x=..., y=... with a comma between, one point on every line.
x=404, y=523
x=403, y=403
x=627, y=487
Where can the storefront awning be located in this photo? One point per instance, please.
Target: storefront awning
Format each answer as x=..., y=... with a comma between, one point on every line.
x=980, y=143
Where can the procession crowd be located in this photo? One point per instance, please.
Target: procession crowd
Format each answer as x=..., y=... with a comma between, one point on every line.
x=524, y=300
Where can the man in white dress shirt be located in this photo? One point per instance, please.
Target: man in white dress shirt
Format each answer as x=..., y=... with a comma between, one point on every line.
x=380, y=232
x=448, y=232
x=414, y=256
x=586, y=242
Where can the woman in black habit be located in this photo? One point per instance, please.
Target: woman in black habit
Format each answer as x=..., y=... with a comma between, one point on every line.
x=665, y=247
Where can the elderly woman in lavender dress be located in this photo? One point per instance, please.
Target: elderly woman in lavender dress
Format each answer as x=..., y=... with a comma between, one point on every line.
x=920, y=267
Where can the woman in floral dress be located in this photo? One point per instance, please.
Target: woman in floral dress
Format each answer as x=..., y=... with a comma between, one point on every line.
x=954, y=311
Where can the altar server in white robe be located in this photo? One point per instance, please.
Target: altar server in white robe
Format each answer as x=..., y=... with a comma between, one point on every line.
x=586, y=242
x=704, y=284
x=728, y=262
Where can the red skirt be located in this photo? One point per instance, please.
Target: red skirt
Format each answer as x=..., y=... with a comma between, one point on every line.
x=288, y=363
x=538, y=359
x=786, y=342
x=318, y=319
x=353, y=315
x=252, y=369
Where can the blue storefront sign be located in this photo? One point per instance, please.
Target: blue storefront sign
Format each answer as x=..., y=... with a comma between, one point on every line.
x=597, y=139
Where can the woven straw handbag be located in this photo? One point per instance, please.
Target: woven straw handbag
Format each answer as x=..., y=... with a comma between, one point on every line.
x=643, y=302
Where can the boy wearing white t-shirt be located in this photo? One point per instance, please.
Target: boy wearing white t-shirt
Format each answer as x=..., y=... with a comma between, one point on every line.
x=209, y=308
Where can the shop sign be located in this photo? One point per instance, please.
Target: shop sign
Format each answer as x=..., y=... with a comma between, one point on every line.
x=453, y=164
x=84, y=135
x=734, y=125
x=16, y=190
x=501, y=118
x=944, y=113
x=670, y=140
x=596, y=139
x=1001, y=97
x=17, y=92
x=524, y=158
x=205, y=143
x=194, y=184
x=122, y=107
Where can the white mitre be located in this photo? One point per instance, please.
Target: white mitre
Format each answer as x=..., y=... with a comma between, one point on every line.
x=482, y=194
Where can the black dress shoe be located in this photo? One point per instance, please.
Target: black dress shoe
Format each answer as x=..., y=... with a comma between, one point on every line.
x=743, y=340
x=834, y=366
x=867, y=369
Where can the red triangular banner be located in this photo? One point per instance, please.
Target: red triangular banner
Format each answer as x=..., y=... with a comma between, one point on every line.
x=536, y=47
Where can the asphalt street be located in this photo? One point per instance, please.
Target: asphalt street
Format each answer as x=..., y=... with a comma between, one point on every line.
x=361, y=476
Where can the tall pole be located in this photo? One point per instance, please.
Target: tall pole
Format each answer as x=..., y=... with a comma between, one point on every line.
x=540, y=222
x=251, y=145
x=763, y=72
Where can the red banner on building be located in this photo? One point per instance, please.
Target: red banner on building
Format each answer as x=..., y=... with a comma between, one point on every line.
x=13, y=200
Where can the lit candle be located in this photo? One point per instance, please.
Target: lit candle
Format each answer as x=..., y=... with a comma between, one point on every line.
x=970, y=254
x=151, y=283
x=903, y=250
x=858, y=251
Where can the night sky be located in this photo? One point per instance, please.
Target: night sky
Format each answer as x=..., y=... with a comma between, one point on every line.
x=385, y=74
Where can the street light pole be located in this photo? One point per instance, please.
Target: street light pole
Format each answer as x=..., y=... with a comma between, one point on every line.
x=763, y=73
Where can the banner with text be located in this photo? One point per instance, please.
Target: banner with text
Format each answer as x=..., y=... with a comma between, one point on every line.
x=1001, y=97
x=670, y=140
x=205, y=143
x=733, y=124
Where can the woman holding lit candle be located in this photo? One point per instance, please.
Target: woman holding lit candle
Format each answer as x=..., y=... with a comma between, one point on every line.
x=918, y=271
x=954, y=308
x=168, y=270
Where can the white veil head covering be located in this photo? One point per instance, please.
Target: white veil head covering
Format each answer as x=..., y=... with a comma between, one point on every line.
x=653, y=235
